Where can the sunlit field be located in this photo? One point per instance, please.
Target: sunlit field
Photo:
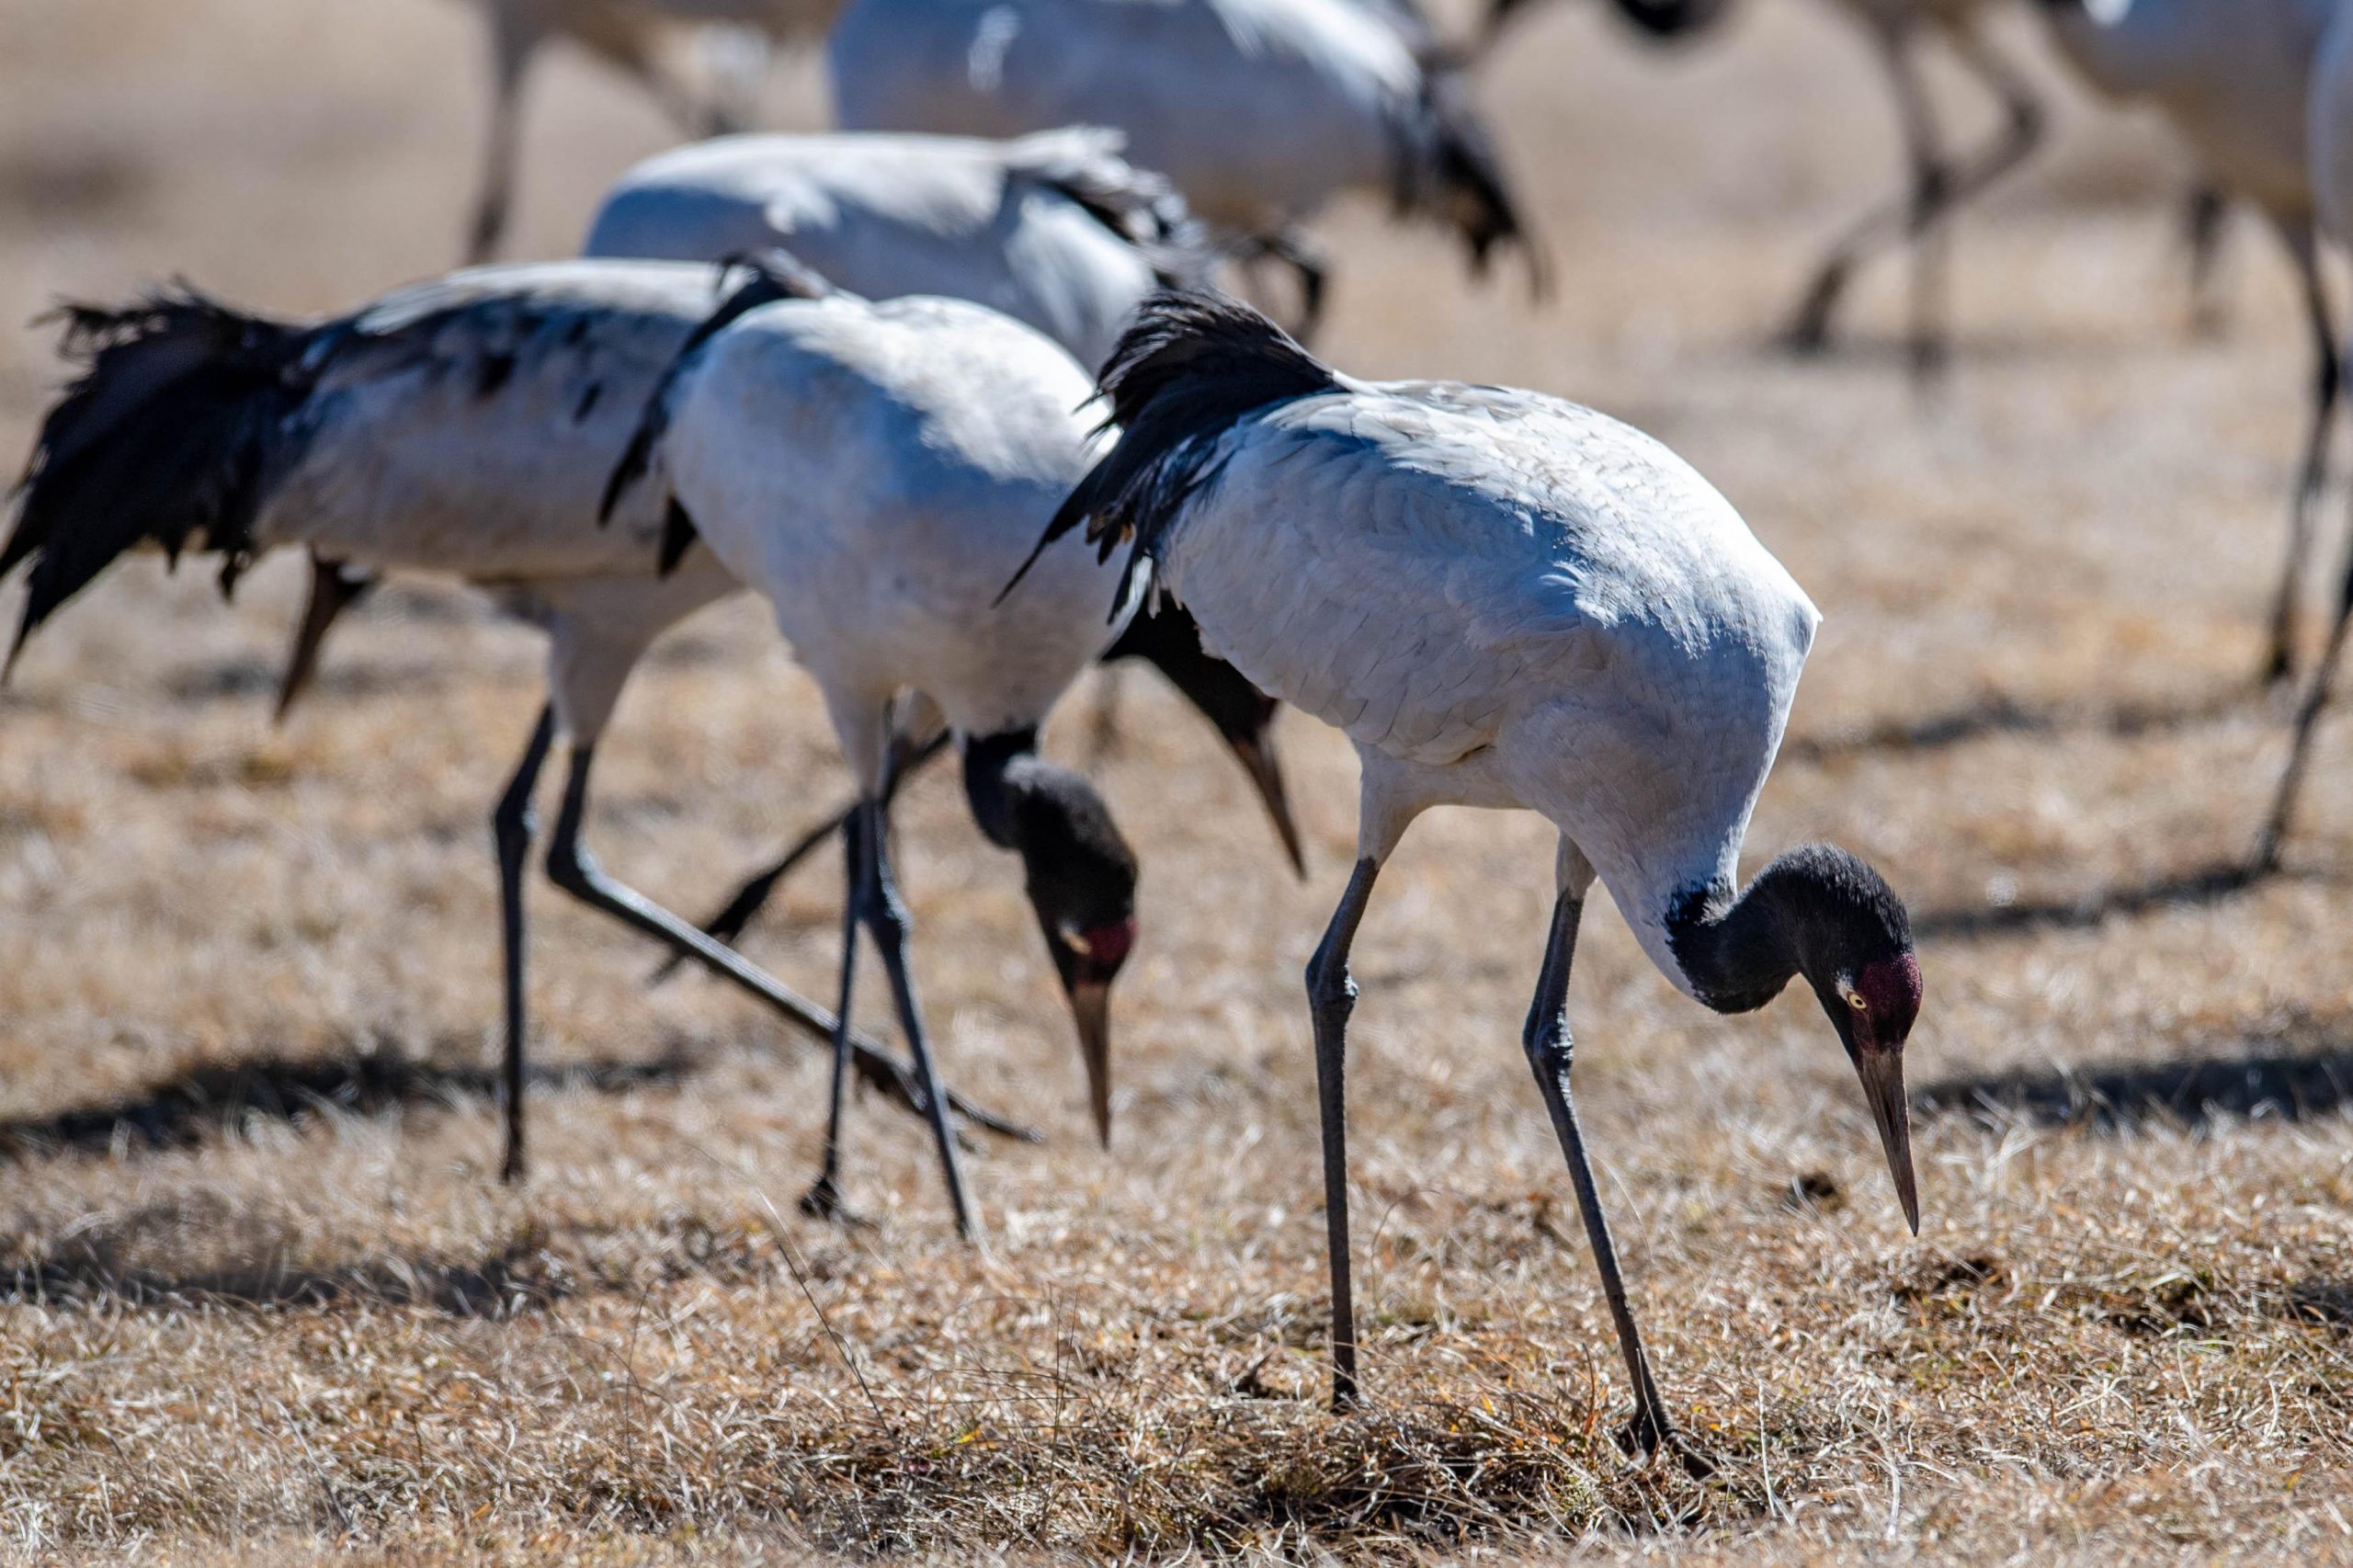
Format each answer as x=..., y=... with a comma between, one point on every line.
x=265, y=1296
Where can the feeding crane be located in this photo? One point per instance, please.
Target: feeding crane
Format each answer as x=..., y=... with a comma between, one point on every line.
x=1259, y=112
x=1505, y=600
x=876, y=471
x=461, y=426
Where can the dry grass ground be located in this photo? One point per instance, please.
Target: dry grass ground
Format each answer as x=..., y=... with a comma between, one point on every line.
x=263, y=1294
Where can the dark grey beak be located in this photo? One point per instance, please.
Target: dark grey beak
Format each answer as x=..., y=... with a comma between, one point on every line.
x=1259, y=760
x=1883, y=1075
x=1090, y=1007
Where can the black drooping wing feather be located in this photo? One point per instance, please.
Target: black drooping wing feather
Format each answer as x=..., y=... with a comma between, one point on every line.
x=1140, y=207
x=774, y=276
x=1188, y=369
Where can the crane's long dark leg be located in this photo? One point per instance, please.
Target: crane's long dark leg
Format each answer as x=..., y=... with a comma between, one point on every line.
x=1891, y=222
x=823, y=1199
x=2291, y=779
x=1331, y=996
x=1938, y=190
x=753, y=896
x=571, y=867
x=886, y=922
x=2205, y=215
x=2279, y=660
x=2021, y=133
x=512, y=826
x=1548, y=1050
x=512, y=43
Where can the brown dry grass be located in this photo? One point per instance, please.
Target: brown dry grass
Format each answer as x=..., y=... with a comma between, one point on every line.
x=263, y=1295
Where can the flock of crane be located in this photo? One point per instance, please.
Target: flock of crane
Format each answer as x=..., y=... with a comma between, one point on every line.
x=881, y=410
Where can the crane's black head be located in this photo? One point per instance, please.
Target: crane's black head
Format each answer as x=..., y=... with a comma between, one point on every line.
x=1166, y=637
x=1821, y=912
x=1081, y=879
x=1853, y=942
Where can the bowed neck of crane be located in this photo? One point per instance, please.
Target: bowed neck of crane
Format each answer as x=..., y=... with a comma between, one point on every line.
x=1817, y=910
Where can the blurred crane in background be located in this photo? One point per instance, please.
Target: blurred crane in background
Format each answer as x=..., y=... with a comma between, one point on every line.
x=2232, y=79
x=1259, y=112
x=632, y=36
x=1055, y=230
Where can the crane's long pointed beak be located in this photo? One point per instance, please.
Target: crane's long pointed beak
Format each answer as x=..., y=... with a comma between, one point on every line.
x=1090, y=1007
x=1258, y=757
x=1883, y=1075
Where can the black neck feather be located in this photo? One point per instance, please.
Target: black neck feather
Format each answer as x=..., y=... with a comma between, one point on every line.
x=1816, y=911
x=1736, y=951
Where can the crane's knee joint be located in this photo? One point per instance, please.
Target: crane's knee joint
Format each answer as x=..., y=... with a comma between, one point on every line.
x=572, y=868
x=1331, y=990
x=886, y=919
x=513, y=825
x=1550, y=1046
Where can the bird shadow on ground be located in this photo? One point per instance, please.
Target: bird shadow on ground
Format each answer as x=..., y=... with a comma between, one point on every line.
x=2322, y=1302
x=2083, y=910
x=90, y=1271
x=2295, y=1075
x=1998, y=715
x=257, y=679
x=182, y=1112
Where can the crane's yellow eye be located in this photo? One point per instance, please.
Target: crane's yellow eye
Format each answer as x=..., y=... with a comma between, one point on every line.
x=1854, y=998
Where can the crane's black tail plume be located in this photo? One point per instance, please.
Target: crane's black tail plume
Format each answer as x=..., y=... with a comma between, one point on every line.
x=1450, y=169
x=1189, y=367
x=169, y=436
x=1083, y=165
x=774, y=276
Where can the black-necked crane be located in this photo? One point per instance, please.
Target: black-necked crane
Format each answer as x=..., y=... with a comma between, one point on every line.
x=1259, y=112
x=1939, y=179
x=629, y=35
x=461, y=426
x=1055, y=230
x=1505, y=600
x=877, y=470
x=2231, y=78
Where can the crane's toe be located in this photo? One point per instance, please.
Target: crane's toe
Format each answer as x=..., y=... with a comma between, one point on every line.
x=1648, y=1433
x=824, y=1202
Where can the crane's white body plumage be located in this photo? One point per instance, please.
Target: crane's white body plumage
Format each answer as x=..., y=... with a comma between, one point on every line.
x=879, y=471
x=467, y=426
x=996, y=223
x=1505, y=600
x=2228, y=76
x=1258, y=110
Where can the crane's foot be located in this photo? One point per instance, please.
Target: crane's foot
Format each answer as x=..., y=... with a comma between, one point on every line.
x=1808, y=334
x=1650, y=1433
x=824, y=1202
x=2279, y=666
